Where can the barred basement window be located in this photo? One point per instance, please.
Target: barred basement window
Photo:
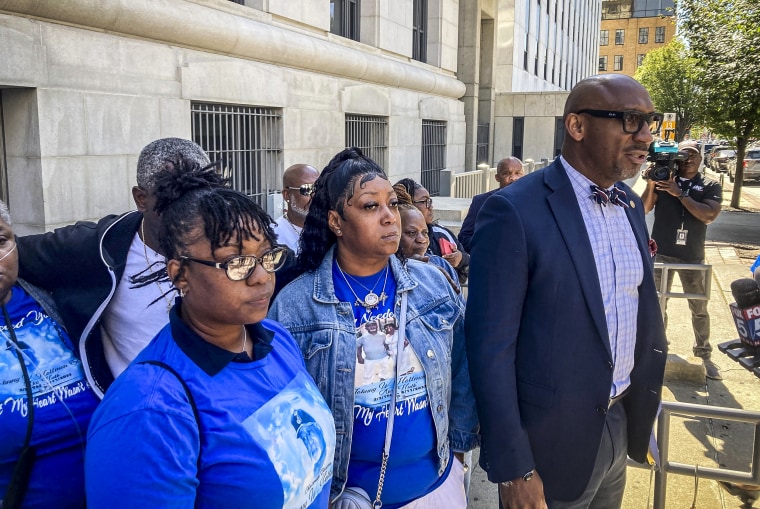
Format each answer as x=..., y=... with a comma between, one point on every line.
x=248, y=141
x=433, y=155
x=370, y=134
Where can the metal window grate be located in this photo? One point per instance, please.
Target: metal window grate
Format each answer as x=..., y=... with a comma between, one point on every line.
x=344, y=18
x=482, y=148
x=419, y=31
x=433, y=155
x=370, y=134
x=248, y=141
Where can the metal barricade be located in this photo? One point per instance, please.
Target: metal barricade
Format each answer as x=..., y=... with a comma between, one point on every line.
x=718, y=474
x=663, y=292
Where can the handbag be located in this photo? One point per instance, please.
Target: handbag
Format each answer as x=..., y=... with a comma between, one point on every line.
x=355, y=497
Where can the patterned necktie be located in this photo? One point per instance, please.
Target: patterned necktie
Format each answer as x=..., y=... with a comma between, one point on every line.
x=603, y=196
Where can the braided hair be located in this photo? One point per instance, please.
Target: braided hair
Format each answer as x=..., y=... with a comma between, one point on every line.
x=189, y=197
x=332, y=190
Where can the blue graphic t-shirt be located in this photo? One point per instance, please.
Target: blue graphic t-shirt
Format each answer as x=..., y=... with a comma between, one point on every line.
x=413, y=453
x=63, y=405
x=267, y=437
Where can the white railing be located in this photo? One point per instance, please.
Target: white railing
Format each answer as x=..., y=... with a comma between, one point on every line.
x=470, y=183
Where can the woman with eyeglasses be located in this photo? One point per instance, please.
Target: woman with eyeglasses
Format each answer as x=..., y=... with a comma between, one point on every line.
x=218, y=410
x=45, y=401
x=380, y=333
x=443, y=242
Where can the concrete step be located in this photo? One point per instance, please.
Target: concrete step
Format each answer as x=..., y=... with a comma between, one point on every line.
x=454, y=226
x=450, y=209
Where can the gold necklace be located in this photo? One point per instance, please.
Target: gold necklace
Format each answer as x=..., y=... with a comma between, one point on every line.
x=147, y=261
x=245, y=339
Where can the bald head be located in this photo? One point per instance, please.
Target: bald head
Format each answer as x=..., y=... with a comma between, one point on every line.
x=509, y=170
x=607, y=128
x=604, y=91
x=297, y=174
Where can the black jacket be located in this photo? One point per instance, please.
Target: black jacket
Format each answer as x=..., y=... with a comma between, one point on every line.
x=81, y=265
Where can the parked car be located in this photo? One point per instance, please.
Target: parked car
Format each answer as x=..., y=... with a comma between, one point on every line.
x=720, y=157
x=751, y=165
x=707, y=149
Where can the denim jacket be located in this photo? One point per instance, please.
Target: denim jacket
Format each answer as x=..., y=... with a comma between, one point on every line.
x=324, y=328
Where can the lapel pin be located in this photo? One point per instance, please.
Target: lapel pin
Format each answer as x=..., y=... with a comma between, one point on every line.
x=632, y=204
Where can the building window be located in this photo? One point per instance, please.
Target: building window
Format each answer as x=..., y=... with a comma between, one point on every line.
x=370, y=134
x=639, y=60
x=482, y=149
x=612, y=8
x=344, y=18
x=3, y=162
x=241, y=2
x=659, y=34
x=559, y=135
x=618, y=62
x=619, y=36
x=433, y=155
x=604, y=37
x=248, y=142
x=517, y=137
x=602, y=63
x=419, y=31
x=643, y=35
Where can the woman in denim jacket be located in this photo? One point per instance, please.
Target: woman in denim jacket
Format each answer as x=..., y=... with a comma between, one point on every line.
x=344, y=312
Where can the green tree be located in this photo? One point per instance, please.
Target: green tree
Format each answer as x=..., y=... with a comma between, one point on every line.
x=670, y=76
x=724, y=39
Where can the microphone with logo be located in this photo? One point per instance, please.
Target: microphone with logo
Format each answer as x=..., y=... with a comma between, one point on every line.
x=746, y=310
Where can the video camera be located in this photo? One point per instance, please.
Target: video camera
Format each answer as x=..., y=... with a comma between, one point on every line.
x=664, y=155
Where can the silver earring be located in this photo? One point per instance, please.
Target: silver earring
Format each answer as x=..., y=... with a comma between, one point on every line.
x=338, y=232
x=182, y=293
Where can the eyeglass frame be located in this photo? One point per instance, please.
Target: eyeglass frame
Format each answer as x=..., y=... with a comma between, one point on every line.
x=427, y=201
x=303, y=189
x=258, y=260
x=644, y=118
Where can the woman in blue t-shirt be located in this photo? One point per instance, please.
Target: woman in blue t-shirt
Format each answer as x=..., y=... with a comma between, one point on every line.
x=346, y=313
x=45, y=400
x=218, y=410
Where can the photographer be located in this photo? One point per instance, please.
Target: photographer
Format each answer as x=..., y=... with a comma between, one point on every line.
x=683, y=206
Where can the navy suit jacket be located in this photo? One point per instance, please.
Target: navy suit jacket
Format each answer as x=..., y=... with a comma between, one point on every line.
x=468, y=225
x=537, y=341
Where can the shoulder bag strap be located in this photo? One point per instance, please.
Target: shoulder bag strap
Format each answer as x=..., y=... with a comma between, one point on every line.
x=190, y=398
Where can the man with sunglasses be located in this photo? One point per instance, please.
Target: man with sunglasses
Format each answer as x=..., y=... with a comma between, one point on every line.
x=88, y=266
x=297, y=188
x=683, y=207
x=565, y=341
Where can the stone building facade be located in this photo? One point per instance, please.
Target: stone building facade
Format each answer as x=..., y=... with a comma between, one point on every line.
x=261, y=85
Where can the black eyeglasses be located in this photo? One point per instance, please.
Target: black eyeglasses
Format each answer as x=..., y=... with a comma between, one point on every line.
x=241, y=267
x=428, y=202
x=632, y=120
x=304, y=189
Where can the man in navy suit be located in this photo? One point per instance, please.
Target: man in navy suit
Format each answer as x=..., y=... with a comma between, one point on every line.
x=565, y=340
x=508, y=170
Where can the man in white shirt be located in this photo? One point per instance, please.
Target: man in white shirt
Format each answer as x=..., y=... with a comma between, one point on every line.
x=297, y=188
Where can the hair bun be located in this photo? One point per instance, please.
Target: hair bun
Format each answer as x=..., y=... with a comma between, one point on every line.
x=179, y=176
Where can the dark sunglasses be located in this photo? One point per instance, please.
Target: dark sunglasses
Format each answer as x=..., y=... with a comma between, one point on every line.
x=428, y=202
x=241, y=267
x=632, y=120
x=304, y=189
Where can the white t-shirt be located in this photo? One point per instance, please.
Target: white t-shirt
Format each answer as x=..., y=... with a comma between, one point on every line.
x=129, y=321
x=287, y=233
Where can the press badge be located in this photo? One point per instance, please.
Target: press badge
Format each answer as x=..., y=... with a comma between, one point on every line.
x=681, y=237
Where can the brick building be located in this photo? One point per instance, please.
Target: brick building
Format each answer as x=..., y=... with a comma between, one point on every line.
x=630, y=29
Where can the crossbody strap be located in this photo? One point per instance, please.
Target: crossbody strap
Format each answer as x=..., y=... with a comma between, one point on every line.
x=22, y=472
x=377, y=504
x=190, y=398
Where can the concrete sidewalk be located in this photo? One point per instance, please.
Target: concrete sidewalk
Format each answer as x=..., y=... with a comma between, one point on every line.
x=693, y=441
